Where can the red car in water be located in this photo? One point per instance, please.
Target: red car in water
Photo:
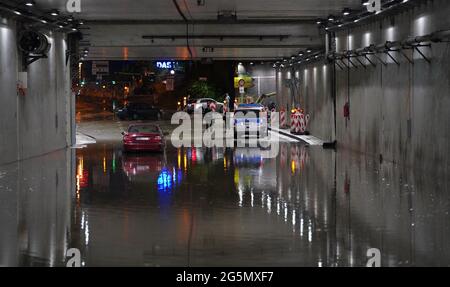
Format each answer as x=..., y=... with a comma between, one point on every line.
x=143, y=137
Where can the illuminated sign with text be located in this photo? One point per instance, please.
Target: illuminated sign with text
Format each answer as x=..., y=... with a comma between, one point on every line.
x=165, y=65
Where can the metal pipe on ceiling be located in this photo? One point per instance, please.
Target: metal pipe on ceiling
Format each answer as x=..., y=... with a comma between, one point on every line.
x=231, y=46
x=311, y=22
x=436, y=37
x=243, y=36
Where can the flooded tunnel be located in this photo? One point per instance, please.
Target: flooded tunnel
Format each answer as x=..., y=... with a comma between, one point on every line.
x=224, y=134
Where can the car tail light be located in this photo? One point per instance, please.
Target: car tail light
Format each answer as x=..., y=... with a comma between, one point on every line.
x=158, y=138
x=127, y=138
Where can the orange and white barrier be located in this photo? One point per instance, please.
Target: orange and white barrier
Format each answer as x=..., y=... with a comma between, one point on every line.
x=301, y=125
x=294, y=122
x=299, y=122
x=282, y=118
x=274, y=118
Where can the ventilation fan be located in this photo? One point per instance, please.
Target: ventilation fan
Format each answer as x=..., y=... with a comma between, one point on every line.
x=33, y=43
x=34, y=46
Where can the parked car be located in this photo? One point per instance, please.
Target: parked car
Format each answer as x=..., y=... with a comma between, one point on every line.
x=247, y=119
x=204, y=105
x=143, y=137
x=139, y=111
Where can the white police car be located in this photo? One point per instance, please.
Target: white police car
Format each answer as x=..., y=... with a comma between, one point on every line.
x=250, y=120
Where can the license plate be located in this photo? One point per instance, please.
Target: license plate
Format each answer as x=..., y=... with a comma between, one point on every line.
x=142, y=139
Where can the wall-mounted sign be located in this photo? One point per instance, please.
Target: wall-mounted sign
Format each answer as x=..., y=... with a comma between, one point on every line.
x=208, y=50
x=100, y=68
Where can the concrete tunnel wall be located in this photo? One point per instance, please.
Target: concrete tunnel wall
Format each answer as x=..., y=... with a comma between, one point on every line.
x=313, y=93
x=36, y=214
x=40, y=121
x=398, y=111
x=264, y=76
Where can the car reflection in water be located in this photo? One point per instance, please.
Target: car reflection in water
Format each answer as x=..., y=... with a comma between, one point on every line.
x=236, y=206
x=254, y=170
x=153, y=168
x=145, y=165
x=184, y=182
x=220, y=207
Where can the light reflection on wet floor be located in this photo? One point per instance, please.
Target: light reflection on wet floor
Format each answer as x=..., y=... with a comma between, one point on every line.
x=220, y=207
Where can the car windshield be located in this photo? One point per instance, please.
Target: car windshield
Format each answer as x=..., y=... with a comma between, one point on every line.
x=144, y=129
x=247, y=113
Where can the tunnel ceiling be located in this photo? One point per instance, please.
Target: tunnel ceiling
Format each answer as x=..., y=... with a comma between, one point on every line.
x=142, y=29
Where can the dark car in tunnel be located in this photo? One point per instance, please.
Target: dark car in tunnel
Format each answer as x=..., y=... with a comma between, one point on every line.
x=139, y=111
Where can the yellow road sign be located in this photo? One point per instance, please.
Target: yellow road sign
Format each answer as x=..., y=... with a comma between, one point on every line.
x=246, y=82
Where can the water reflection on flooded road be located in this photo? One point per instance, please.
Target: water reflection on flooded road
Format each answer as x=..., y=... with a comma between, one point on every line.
x=220, y=207
x=232, y=207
